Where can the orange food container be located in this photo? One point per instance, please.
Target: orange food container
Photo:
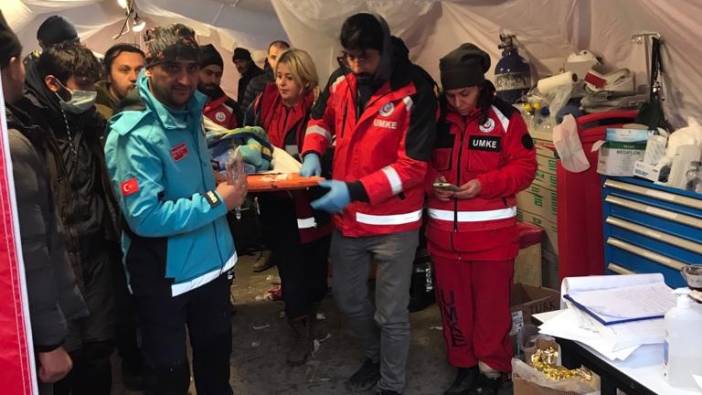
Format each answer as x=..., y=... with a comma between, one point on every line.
x=280, y=182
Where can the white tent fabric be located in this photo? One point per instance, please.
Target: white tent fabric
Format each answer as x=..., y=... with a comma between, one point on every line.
x=547, y=30
x=249, y=23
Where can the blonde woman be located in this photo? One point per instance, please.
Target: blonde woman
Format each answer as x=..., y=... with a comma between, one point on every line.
x=299, y=236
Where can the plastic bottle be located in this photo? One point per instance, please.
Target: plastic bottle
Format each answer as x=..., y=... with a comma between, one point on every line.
x=528, y=114
x=683, y=342
x=546, y=125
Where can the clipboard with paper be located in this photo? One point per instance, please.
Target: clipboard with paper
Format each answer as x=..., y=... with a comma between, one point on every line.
x=620, y=305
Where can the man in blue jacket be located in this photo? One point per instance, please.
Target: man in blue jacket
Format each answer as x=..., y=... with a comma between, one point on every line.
x=177, y=244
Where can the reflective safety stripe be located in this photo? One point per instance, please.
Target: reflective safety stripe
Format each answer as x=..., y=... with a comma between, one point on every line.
x=473, y=216
x=306, y=223
x=408, y=102
x=392, y=219
x=181, y=288
x=316, y=129
x=393, y=179
x=503, y=119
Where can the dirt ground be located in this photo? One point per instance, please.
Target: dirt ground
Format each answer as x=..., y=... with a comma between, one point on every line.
x=260, y=336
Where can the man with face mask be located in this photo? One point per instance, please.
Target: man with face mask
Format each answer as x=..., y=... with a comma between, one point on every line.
x=381, y=110
x=53, y=295
x=123, y=62
x=60, y=95
x=220, y=108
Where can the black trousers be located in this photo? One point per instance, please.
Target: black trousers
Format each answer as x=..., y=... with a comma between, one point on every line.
x=90, y=339
x=302, y=267
x=126, y=338
x=91, y=373
x=163, y=320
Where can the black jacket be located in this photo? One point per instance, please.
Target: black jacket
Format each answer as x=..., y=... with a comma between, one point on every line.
x=255, y=87
x=53, y=294
x=42, y=107
x=244, y=80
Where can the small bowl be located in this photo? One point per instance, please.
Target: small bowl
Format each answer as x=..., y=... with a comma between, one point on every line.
x=693, y=275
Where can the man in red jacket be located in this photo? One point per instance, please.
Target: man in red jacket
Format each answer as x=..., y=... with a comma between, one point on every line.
x=380, y=109
x=220, y=108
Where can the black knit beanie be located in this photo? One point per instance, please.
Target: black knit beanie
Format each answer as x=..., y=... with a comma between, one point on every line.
x=209, y=55
x=241, y=54
x=54, y=30
x=464, y=66
x=9, y=44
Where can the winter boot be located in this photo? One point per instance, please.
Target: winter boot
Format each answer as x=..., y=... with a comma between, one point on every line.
x=301, y=346
x=466, y=379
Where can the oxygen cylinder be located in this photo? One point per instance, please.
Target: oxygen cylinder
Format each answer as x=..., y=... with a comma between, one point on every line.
x=512, y=72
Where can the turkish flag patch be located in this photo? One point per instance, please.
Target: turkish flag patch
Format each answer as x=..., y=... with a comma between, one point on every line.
x=179, y=152
x=129, y=187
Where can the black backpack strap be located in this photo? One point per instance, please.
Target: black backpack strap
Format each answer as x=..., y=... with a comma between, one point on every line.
x=656, y=67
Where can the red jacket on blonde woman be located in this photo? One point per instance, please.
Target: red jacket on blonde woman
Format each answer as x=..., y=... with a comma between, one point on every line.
x=298, y=235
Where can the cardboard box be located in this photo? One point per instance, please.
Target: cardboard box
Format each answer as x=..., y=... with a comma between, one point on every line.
x=545, y=148
x=550, y=277
x=523, y=387
x=528, y=266
x=546, y=164
x=527, y=301
x=541, y=133
x=620, y=151
x=546, y=180
x=618, y=159
x=539, y=200
x=550, y=242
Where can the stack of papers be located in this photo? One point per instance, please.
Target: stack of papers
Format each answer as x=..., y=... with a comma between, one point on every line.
x=614, y=315
x=625, y=304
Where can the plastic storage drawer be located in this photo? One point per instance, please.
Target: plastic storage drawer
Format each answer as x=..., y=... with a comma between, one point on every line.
x=650, y=228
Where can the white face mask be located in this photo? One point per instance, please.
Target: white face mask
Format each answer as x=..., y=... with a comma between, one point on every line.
x=80, y=101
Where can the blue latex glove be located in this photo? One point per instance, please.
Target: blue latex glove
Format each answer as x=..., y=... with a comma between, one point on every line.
x=336, y=199
x=311, y=166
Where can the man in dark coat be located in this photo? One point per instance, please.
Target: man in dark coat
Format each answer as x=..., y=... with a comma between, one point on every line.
x=54, y=297
x=247, y=70
x=60, y=96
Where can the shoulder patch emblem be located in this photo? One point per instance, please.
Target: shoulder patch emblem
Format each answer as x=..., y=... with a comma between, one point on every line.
x=129, y=187
x=220, y=116
x=488, y=126
x=387, y=110
x=527, y=141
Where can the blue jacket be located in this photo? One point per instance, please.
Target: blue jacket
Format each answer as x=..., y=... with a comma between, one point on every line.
x=160, y=170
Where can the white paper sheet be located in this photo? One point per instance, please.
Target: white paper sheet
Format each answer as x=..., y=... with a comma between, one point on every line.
x=565, y=326
x=623, y=303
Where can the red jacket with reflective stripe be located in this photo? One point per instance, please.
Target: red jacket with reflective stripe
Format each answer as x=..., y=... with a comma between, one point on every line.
x=223, y=111
x=500, y=154
x=285, y=127
x=386, y=148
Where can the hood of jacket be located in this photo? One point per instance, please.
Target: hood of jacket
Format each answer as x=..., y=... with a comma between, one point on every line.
x=35, y=89
x=104, y=95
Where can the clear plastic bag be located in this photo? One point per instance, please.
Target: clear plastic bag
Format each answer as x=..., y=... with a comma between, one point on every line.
x=236, y=175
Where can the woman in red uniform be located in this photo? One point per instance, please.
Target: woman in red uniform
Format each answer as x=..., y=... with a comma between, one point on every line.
x=483, y=156
x=299, y=236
